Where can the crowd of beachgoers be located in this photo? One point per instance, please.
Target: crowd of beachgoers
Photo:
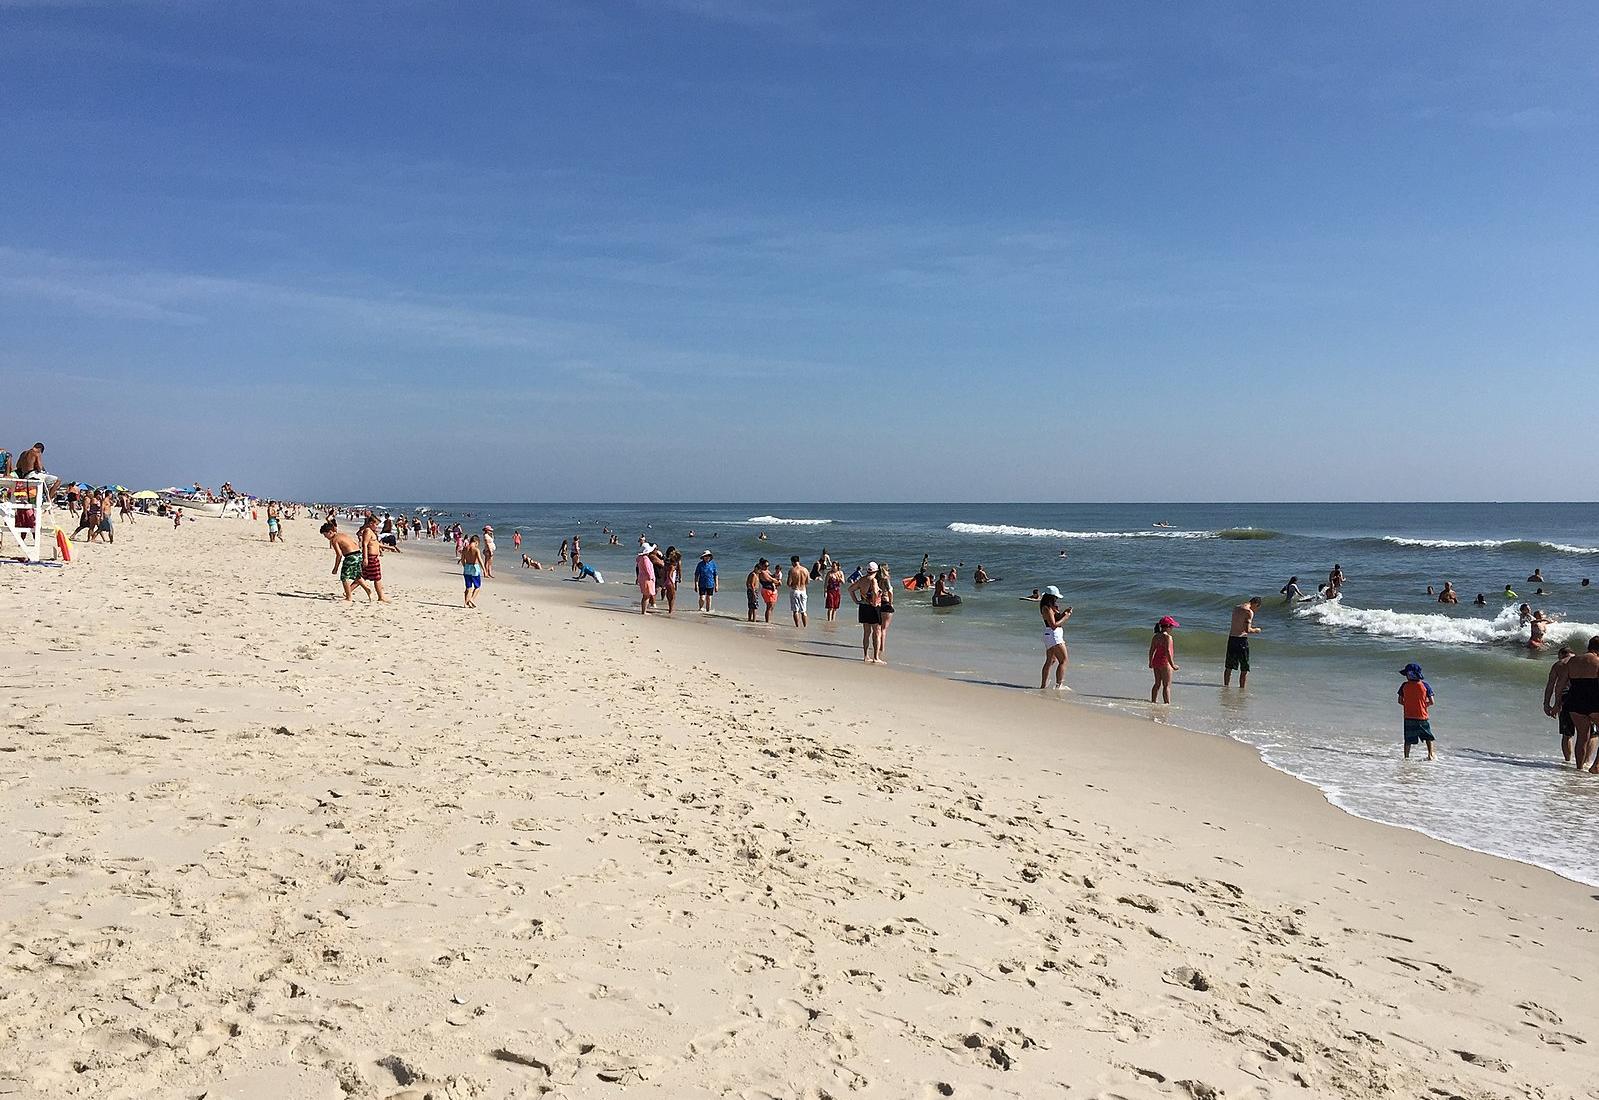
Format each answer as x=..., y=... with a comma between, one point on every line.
x=1571, y=694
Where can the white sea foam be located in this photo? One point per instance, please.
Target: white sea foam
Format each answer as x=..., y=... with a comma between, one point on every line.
x=1503, y=628
x=778, y=521
x=1051, y=533
x=1490, y=544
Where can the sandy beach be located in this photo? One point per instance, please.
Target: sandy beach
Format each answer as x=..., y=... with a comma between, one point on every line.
x=260, y=843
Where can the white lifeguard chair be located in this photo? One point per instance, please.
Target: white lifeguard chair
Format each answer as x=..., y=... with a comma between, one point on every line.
x=22, y=499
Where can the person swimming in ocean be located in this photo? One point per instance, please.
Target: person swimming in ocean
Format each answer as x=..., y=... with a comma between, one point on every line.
x=1539, y=626
x=980, y=575
x=1526, y=614
x=1291, y=592
x=1510, y=593
x=1536, y=578
x=1035, y=597
x=1448, y=594
x=1480, y=601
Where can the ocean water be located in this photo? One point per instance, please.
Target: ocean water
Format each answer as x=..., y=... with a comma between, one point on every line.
x=1321, y=699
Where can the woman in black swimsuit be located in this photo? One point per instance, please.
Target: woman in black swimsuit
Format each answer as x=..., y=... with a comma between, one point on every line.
x=864, y=593
x=885, y=611
x=1577, y=688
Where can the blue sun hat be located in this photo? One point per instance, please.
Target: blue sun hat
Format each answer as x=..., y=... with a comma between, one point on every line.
x=1412, y=671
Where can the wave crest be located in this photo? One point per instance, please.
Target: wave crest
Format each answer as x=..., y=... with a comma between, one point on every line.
x=1503, y=628
x=1488, y=544
x=1008, y=530
x=779, y=521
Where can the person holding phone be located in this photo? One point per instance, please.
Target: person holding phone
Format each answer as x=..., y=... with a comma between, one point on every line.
x=1054, y=616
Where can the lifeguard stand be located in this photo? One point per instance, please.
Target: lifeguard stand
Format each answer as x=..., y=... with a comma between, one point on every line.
x=25, y=499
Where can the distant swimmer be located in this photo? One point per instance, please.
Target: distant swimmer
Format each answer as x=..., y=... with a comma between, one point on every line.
x=1035, y=597
x=980, y=575
x=1539, y=592
x=1291, y=592
x=1480, y=601
x=1162, y=523
x=1577, y=686
x=1526, y=614
x=1430, y=592
x=1448, y=595
x=1243, y=625
x=761, y=536
x=1163, y=658
x=1063, y=551
x=1554, y=705
x=1510, y=593
x=1536, y=578
x=1335, y=579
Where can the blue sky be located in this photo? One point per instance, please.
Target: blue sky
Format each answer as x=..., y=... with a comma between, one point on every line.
x=713, y=249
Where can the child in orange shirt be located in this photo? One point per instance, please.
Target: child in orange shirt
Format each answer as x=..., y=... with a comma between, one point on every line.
x=1415, y=695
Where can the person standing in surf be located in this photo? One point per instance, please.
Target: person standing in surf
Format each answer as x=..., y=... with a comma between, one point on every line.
x=1577, y=686
x=1054, y=616
x=1415, y=696
x=1163, y=658
x=885, y=610
x=1243, y=626
x=863, y=590
x=1554, y=705
x=833, y=589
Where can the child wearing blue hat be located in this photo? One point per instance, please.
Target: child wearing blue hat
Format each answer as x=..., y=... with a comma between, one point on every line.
x=1415, y=695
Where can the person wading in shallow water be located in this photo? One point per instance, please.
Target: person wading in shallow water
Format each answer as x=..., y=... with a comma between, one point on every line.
x=1238, y=641
x=1054, y=616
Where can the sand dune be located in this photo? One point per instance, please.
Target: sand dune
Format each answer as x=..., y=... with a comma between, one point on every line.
x=259, y=843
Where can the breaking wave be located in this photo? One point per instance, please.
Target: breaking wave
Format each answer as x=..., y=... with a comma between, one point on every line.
x=1504, y=628
x=1052, y=533
x=1489, y=544
x=778, y=521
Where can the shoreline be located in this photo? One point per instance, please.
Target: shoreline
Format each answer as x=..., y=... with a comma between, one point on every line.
x=267, y=841
x=1137, y=713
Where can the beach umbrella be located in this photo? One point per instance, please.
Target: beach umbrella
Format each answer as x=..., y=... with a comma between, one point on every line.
x=146, y=494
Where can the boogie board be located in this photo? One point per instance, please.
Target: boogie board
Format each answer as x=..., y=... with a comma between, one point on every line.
x=948, y=600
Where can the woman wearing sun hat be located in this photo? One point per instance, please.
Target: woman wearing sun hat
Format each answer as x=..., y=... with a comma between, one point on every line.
x=1163, y=658
x=1054, y=616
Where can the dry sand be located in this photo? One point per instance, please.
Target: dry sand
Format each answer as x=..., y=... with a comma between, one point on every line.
x=258, y=843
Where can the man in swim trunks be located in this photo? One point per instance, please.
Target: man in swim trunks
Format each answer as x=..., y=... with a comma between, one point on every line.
x=705, y=579
x=752, y=589
x=346, y=559
x=471, y=569
x=1243, y=626
x=372, y=557
x=1554, y=706
x=799, y=579
x=274, y=522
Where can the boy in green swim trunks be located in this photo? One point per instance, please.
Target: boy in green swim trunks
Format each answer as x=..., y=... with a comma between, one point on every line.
x=346, y=559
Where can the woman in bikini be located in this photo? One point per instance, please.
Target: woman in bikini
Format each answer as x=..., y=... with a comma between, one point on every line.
x=885, y=611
